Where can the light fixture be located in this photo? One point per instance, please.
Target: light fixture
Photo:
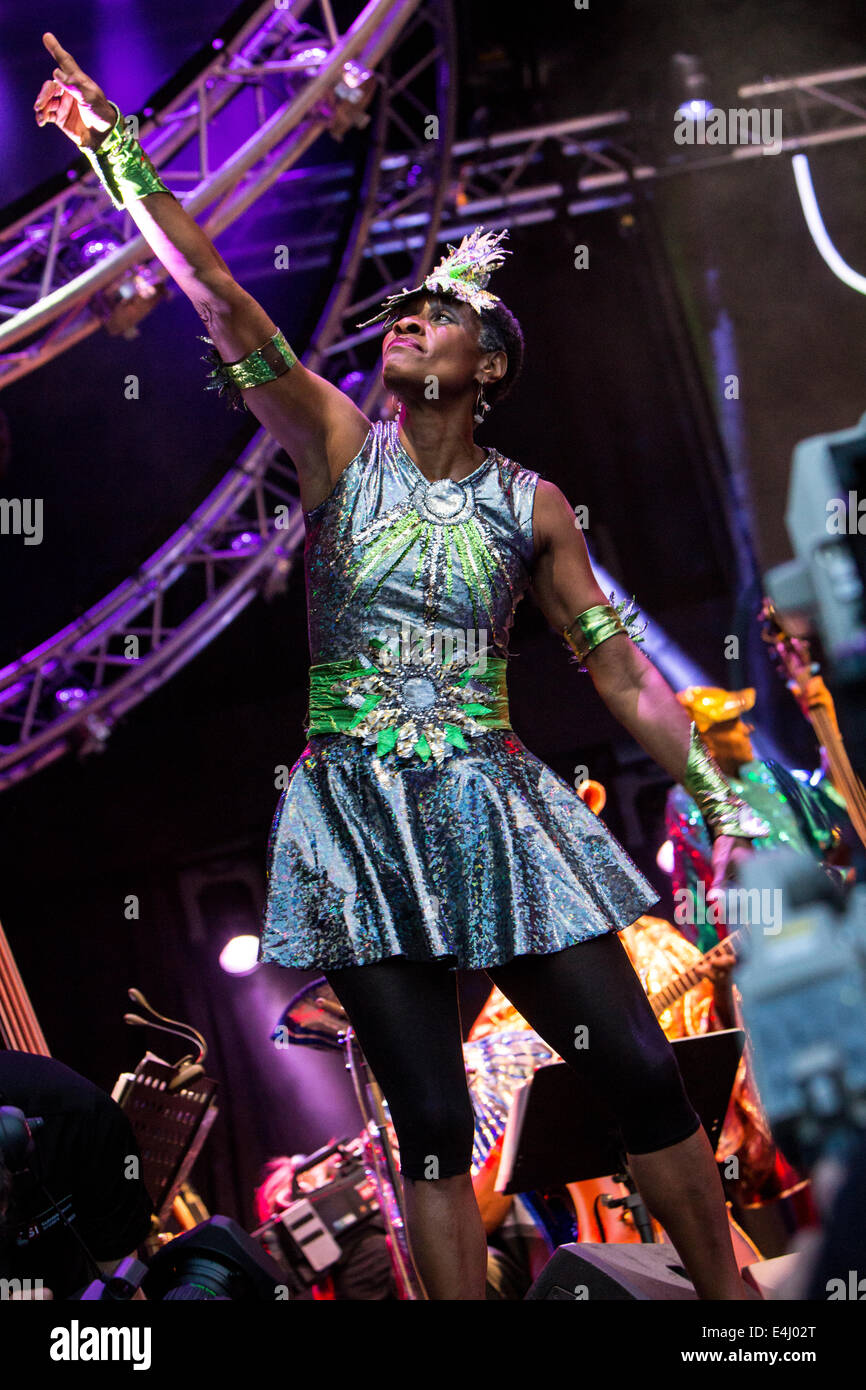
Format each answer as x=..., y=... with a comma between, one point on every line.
x=691, y=87
x=239, y=956
x=815, y=223
x=665, y=857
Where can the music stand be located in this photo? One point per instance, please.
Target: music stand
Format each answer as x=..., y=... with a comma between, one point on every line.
x=169, y=1126
x=559, y=1130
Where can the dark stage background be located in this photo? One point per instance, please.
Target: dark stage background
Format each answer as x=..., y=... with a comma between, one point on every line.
x=184, y=795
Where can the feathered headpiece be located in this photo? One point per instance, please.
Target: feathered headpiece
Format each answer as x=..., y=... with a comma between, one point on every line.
x=463, y=273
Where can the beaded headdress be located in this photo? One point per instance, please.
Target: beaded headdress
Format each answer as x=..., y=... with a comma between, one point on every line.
x=463, y=273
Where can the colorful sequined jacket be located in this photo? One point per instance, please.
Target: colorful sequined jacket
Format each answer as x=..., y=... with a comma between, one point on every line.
x=797, y=813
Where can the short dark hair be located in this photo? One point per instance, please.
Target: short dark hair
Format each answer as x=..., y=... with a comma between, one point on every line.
x=500, y=331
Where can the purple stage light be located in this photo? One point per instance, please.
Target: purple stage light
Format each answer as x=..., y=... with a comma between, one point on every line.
x=239, y=956
x=311, y=59
x=414, y=175
x=247, y=540
x=72, y=697
x=98, y=247
x=218, y=43
x=350, y=381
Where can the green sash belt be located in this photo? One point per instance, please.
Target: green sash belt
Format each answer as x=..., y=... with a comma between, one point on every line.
x=383, y=705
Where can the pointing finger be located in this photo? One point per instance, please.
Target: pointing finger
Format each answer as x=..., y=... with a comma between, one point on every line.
x=58, y=53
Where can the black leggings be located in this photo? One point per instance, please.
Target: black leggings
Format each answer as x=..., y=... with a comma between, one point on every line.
x=406, y=1017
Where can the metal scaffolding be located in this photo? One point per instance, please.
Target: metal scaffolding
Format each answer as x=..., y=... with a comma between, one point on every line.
x=417, y=192
x=70, y=691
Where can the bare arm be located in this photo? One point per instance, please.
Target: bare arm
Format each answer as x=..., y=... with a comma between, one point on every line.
x=631, y=687
x=633, y=690
x=315, y=422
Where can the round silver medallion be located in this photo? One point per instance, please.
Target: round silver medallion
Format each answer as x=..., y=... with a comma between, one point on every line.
x=445, y=498
x=444, y=501
x=418, y=693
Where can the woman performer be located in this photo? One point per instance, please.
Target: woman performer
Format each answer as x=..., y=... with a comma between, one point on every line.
x=417, y=834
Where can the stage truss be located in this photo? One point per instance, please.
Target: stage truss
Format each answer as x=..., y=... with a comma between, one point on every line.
x=69, y=692
x=418, y=192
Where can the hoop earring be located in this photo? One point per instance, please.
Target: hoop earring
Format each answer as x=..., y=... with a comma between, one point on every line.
x=482, y=407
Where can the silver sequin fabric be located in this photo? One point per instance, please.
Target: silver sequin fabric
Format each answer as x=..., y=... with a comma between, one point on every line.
x=483, y=857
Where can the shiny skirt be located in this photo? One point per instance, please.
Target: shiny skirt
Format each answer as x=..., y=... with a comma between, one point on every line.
x=486, y=856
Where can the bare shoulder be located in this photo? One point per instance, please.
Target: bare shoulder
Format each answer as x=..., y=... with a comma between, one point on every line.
x=552, y=516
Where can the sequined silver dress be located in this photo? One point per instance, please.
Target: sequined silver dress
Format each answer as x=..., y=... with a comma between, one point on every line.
x=460, y=844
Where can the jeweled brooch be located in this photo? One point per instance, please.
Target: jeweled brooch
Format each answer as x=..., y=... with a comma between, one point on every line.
x=418, y=706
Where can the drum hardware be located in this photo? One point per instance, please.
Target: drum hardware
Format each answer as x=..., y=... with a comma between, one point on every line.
x=314, y=1017
x=372, y=1106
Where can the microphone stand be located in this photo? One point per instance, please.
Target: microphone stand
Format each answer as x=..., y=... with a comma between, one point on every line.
x=634, y=1203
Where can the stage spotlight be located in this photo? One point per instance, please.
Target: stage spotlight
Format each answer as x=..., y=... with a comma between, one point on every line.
x=239, y=955
x=310, y=59
x=98, y=247
x=351, y=383
x=691, y=87
x=72, y=697
x=354, y=75
x=246, y=541
x=695, y=110
x=665, y=857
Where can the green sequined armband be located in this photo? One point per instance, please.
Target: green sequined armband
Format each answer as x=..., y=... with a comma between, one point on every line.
x=263, y=364
x=123, y=167
x=723, y=811
x=589, y=629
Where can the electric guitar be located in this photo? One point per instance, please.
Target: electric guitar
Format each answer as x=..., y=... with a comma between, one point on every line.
x=681, y=984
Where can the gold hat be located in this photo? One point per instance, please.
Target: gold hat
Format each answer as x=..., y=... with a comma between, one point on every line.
x=708, y=704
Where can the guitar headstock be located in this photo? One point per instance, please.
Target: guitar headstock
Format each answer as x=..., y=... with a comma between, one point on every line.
x=790, y=654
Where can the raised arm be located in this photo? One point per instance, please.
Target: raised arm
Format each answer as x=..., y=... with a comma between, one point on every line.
x=316, y=423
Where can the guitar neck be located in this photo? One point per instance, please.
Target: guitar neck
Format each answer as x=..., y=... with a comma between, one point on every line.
x=664, y=998
x=845, y=779
x=794, y=659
